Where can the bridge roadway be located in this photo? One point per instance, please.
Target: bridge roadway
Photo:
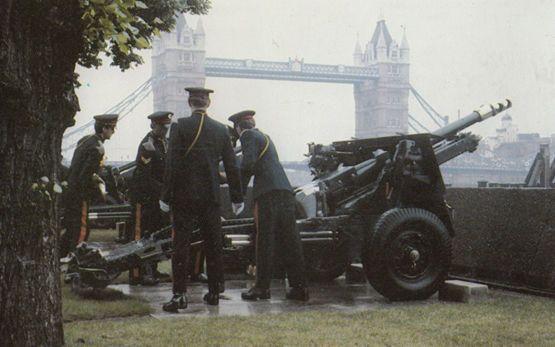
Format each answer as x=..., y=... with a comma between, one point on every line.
x=292, y=70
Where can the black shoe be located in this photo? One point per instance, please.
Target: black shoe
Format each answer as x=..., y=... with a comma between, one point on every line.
x=297, y=293
x=256, y=293
x=178, y=301
x=149, y=281
x=211, y=298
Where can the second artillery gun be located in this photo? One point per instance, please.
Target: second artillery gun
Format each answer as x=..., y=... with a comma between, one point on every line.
x=389, y=190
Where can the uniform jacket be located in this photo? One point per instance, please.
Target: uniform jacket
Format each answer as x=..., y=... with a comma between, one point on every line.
x=268, y=172
x=85, y=162
x=195, y=177
x=148, y=177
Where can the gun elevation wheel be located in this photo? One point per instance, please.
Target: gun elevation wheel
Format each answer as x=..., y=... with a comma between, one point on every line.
x=408, y=254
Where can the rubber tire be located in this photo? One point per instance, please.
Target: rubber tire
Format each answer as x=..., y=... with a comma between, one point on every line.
x=377, y=254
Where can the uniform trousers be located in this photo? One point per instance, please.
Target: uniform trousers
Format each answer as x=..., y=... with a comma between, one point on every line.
x=148, y=219
x=188, y=216
x=75, y=223
x=277, y=228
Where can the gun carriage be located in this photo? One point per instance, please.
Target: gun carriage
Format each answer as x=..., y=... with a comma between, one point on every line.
x=385, y=195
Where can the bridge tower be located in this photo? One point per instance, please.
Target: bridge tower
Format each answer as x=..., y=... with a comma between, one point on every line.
x=177, y=62
x=381, y=105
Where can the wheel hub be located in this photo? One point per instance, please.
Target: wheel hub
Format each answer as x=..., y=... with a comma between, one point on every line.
x=411, y=254
x=414, y=255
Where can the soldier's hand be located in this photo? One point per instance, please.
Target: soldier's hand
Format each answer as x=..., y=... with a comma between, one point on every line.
x=238, y=208
x=164, y=207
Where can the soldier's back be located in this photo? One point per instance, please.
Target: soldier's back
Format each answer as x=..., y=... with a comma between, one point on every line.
x=197, y=171
x=269, y=174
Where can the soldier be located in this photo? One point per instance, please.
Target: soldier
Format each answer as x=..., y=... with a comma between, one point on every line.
x=147, y=183
x=192, y=189
x=275, y=210
x=83, y=181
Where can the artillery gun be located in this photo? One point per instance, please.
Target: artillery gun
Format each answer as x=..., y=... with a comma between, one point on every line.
x=390, y=189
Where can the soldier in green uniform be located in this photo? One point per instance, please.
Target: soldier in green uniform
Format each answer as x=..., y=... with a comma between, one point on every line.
x=83, y=181
x=146, y=189
x=192, y=189
x=275, y=206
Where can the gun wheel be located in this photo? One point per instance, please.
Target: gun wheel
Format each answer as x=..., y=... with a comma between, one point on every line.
x=408, y=254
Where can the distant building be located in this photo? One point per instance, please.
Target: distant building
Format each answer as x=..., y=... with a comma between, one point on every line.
x=511, y=146
x=503, y=158
x=507, y=133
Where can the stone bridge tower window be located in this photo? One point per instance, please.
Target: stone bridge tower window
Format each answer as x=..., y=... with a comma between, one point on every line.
x=185, y=57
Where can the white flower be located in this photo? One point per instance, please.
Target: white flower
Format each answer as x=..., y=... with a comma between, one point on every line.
x=57, y=189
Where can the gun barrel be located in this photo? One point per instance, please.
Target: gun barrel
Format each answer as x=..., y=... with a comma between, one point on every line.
x=482, y=113
x=127, y=166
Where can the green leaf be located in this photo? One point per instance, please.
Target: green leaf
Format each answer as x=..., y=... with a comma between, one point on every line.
x=157, y=21
x=106, y=24
x=142, y=43
x=122, y=37
x=111, y=8
x=98, y=2
x=120, y=14
x=124, y=48
x=141, y=4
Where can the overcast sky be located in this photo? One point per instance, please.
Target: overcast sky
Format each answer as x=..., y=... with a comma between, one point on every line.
x=463, y=54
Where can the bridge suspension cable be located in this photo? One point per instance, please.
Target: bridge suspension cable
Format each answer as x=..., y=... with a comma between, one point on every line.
x=124, y=108
x=430, y=111
x=114, y=109
x=412, y=127
x=413, y=122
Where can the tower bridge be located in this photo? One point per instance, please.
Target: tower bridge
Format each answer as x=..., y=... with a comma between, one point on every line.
x=379, y=75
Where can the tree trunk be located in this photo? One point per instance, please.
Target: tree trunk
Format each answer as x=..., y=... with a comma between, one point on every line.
x=39, y=47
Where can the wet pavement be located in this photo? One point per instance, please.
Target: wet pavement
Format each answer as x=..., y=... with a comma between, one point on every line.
x=337, y=296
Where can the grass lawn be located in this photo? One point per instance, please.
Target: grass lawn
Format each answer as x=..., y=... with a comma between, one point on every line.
x=103, y=235
x=101, y=304
x=503, y=320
